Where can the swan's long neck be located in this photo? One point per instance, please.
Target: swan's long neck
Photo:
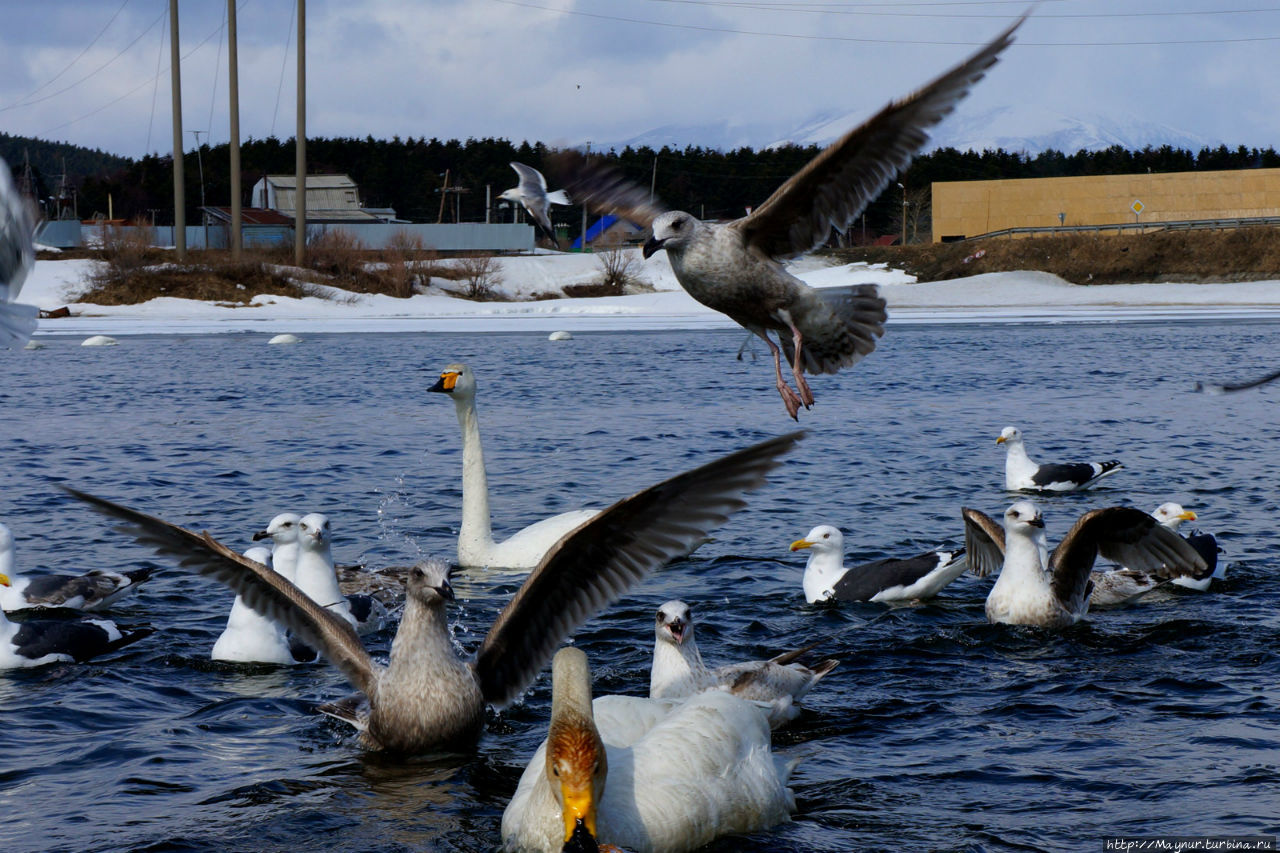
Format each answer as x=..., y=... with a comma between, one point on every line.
x=475, y=484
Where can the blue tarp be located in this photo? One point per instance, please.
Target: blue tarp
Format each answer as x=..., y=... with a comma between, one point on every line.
x=602, y=225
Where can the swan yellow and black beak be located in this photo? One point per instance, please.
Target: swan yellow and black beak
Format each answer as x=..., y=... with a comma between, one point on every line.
x=446, y=382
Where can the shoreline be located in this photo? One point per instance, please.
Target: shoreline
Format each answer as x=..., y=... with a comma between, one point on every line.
x=990, y=298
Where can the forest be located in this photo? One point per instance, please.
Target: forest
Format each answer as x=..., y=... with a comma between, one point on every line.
x=409, y=174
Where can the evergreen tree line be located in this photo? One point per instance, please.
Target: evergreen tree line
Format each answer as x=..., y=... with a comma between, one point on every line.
x=409, y=174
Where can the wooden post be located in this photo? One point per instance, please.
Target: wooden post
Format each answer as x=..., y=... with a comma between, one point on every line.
x=179, y=190
x=237, y=243
x=300, y=164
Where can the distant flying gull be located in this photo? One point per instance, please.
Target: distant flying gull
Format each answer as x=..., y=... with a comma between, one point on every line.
x=736, y=268
x=532, y=193
x=427, y=698
x=37, y=642
x=1124, y=585
x=645, y=775
x=523, y=549
x=1052, y=590
x=890, y=579
x=17, y=256
x=1211, y=388
x=1021, y=474
x=94, y=590
x=678, y=670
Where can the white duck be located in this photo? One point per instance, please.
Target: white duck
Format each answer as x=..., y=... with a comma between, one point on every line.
x=645, y=774
x=678, y=670
x=476, y=546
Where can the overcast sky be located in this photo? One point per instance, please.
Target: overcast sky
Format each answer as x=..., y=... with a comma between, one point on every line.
x=95, y=72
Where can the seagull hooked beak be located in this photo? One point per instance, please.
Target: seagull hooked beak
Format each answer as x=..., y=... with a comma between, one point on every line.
x=1187, y=515
x=260, y=535
x=652, y=245
x=445, y=590
x=1037, y=521
x=1001, y=440
x=801, y=543
x=446, y=382
x=4, y=580
x=677, y=628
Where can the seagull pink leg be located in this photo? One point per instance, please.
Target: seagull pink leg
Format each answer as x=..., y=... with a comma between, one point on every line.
x=789, y=398
x=797, y=369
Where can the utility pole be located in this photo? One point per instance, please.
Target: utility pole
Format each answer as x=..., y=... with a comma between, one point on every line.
x=237, y=241
x=904, y=213
x=444, y=193
x=300, y=165
x=179, y=191
x=583, y=239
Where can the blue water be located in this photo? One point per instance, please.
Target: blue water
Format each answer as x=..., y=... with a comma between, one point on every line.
x=937, y=732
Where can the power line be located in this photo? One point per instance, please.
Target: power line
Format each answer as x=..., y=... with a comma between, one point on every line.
x=80, y=56
x=91, y=74
x=866, y=40
x=882, y=9
x=155, y=90
x=155, y=79
x=283, y=61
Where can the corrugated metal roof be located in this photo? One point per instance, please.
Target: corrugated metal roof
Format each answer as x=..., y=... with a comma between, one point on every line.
x=313, y=182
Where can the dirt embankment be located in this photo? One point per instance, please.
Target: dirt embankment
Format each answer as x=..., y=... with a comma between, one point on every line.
x=1243, y=254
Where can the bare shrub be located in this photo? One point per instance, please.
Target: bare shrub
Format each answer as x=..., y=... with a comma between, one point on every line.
x=618, y=268
x=482, y=274
x=338, y=253
x=407, y=262
x=226, y=283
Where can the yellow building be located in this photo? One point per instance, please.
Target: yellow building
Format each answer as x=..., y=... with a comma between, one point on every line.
x=969, y=208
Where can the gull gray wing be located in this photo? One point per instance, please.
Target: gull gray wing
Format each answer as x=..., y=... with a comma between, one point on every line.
x=983, y=541
x=601, y=188
x=264, y=590
x=1126, y=535
x=834, y=187
x=532, y=183
x=592, y=566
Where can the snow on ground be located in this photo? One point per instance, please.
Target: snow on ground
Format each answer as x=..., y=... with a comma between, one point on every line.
x=995, y=297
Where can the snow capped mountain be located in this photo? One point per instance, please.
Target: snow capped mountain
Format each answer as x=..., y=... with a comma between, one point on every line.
x=1030, y=129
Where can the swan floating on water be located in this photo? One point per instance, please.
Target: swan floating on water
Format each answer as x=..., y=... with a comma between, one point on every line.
x=476, y=545
x=645, y=774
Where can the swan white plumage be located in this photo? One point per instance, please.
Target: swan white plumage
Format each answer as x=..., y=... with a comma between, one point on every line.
x=645, y=774
x=476, y=546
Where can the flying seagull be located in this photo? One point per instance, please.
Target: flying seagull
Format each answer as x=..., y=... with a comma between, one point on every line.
x=427, y=698
x=1052, y=590
x=532, y=193
x=17, y=255
x=1021, y=474
x=736, y=268
x=678, y=671
x=890, y=579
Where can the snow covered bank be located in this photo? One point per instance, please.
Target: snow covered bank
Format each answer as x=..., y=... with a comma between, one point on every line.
x=996, y=297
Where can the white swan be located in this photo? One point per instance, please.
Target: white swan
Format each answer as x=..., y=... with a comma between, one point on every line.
x=476, y=546
x=645, y=774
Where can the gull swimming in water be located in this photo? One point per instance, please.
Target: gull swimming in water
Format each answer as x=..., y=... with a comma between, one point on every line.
x=532, y=193
x=891, y=579
x=645, y=775
x=1023, y=475
x=678, y=670
x=17, y=256
x=736, y=268
x=476, y=546
x=1124, y=585
x=251, y=637
x=37, y=642
x=1052, y=590
x=94, y=590
x=427, y=697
